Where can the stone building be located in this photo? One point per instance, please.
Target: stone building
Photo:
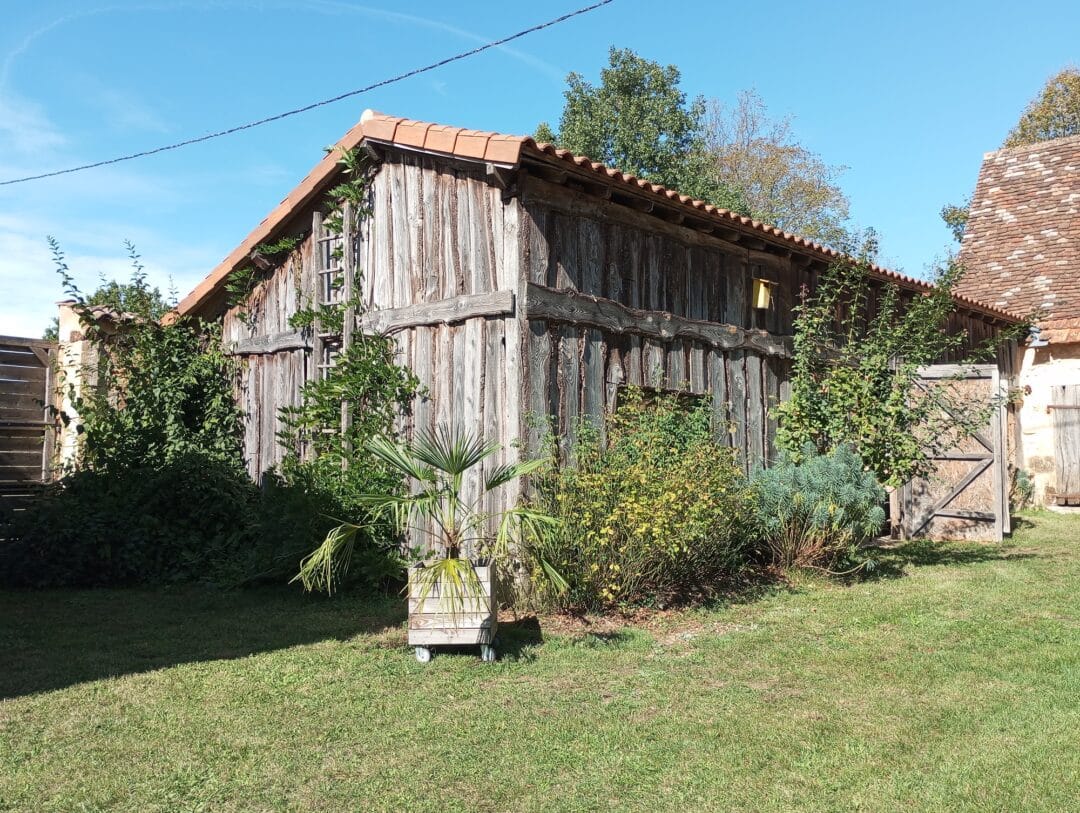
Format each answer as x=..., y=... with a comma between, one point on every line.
x=1021, y=250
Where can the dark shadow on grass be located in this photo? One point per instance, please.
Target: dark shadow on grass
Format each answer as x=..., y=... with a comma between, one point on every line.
x=1021, y=524
x=519, y=639
x=892, y=561
x=56, y=638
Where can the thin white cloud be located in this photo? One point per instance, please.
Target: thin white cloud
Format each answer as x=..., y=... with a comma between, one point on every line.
x=123, y=111
x=25, y=129
x=535, y=62
x=30, y=287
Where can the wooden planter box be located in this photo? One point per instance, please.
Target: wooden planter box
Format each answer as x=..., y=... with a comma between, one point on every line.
x=432, y=622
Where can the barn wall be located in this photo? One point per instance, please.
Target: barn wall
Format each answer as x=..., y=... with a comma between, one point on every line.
x=441, y=229
x=266, y=382
x=604, y=250
x=438, y=231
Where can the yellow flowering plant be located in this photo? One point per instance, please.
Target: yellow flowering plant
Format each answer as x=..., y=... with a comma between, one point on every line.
x=651, y=509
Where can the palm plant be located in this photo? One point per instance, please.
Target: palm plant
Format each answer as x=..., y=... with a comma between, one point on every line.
x=441, y=518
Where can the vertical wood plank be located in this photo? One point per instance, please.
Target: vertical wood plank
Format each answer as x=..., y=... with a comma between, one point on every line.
x=676, y=366
x=719, y=394
x=698, y=380
x=755, y=412
x=538, y=388
x=591, y=254
x=569, y=380
x=653, y=363
x=633, y=363
x=565, y=251
x=772, y=372
x=534, y=219
x=594, y=391
x=737, y=398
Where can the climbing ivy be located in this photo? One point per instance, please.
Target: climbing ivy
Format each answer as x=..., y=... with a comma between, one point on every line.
x=330, y=460
x=855, y=380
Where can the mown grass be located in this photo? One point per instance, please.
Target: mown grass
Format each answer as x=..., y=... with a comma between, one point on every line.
x=950, y=682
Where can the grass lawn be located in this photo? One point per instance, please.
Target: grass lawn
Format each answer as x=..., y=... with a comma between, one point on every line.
x=952, y=682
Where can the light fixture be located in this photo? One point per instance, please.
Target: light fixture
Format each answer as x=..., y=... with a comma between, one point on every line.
x=762, y=294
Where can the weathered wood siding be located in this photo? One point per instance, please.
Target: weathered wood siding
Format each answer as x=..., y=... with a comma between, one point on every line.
x=437, y=231
x=440, y=231
x=572, y=242
x=451, y=264
x=268, y=381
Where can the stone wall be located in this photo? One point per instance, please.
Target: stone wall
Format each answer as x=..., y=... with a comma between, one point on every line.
x=1041, y=369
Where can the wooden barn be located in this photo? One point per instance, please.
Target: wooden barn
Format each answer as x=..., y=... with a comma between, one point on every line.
x=521, y=281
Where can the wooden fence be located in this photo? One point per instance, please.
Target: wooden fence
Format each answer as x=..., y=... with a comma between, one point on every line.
x=26, y=428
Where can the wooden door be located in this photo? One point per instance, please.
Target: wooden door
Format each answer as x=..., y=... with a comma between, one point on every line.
x=1065, y=406
x=966, y=496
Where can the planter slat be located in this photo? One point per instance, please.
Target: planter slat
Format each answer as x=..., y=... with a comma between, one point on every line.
x=436, y=621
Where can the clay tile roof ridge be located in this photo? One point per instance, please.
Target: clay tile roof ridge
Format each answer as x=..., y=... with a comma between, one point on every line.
x=500, y=148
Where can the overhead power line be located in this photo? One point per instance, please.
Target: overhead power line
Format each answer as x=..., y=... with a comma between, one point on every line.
x=313, y=105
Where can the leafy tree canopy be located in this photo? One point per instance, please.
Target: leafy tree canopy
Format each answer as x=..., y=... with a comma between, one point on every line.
x=956, y=218
x=136, y=296
x=637, y=119
x=782, y=182
x=1054, y=113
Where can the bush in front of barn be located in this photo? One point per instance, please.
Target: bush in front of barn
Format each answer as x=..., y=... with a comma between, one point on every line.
x=160, y=492
x=140, y=524
x=652, y=510
x=817, y=510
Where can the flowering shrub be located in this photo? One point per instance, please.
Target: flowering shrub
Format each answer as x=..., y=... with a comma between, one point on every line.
x=816, y=513
x=651, y=510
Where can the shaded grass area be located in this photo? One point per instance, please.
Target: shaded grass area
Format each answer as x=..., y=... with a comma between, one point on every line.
x=951, y=685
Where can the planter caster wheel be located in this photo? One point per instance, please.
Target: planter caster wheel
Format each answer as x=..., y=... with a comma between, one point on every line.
x=487, y=652
x=423, y=654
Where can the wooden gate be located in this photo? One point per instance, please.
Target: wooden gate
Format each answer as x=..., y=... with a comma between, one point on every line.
x=1065, y=405
x=966, y=497
x=26, y=429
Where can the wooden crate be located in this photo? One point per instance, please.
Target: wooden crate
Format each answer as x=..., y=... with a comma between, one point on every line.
x=432, y=621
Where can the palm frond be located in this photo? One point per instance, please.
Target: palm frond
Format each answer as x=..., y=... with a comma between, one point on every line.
x=452, y=452
x=402, y=459
x=323, y=568
x=512, y=471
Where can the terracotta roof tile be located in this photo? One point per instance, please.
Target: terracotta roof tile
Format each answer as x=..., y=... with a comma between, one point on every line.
x=411, y=133
x=472, y=144
x=440, y=138
x=1021, y=247
x=508, y=149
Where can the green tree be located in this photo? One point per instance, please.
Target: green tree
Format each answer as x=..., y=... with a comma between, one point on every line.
x=163, y=391
x=1054, y=113
x=136, y=296
x=783, y=183
x=956, y=218
x=638, y=120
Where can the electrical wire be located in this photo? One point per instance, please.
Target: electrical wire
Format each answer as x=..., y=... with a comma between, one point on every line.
x=313, y=105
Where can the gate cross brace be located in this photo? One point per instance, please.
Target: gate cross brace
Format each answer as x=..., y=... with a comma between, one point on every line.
x=952, y=495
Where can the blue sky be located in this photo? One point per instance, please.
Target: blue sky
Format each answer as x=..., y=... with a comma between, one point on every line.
x=908, y=96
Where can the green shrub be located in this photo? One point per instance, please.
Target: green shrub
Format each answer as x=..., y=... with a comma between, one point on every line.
x=160, y=493
x=653, y=515
x=193, y=519
x=815, y=513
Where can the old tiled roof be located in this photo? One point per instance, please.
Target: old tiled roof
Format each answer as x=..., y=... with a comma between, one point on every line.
x=508, y=151
x=1021, y=247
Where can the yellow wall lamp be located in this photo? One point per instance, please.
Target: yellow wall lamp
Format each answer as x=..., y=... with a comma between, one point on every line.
x=762, y=294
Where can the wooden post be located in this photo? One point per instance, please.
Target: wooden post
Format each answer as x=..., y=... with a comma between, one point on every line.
x=348, y=272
